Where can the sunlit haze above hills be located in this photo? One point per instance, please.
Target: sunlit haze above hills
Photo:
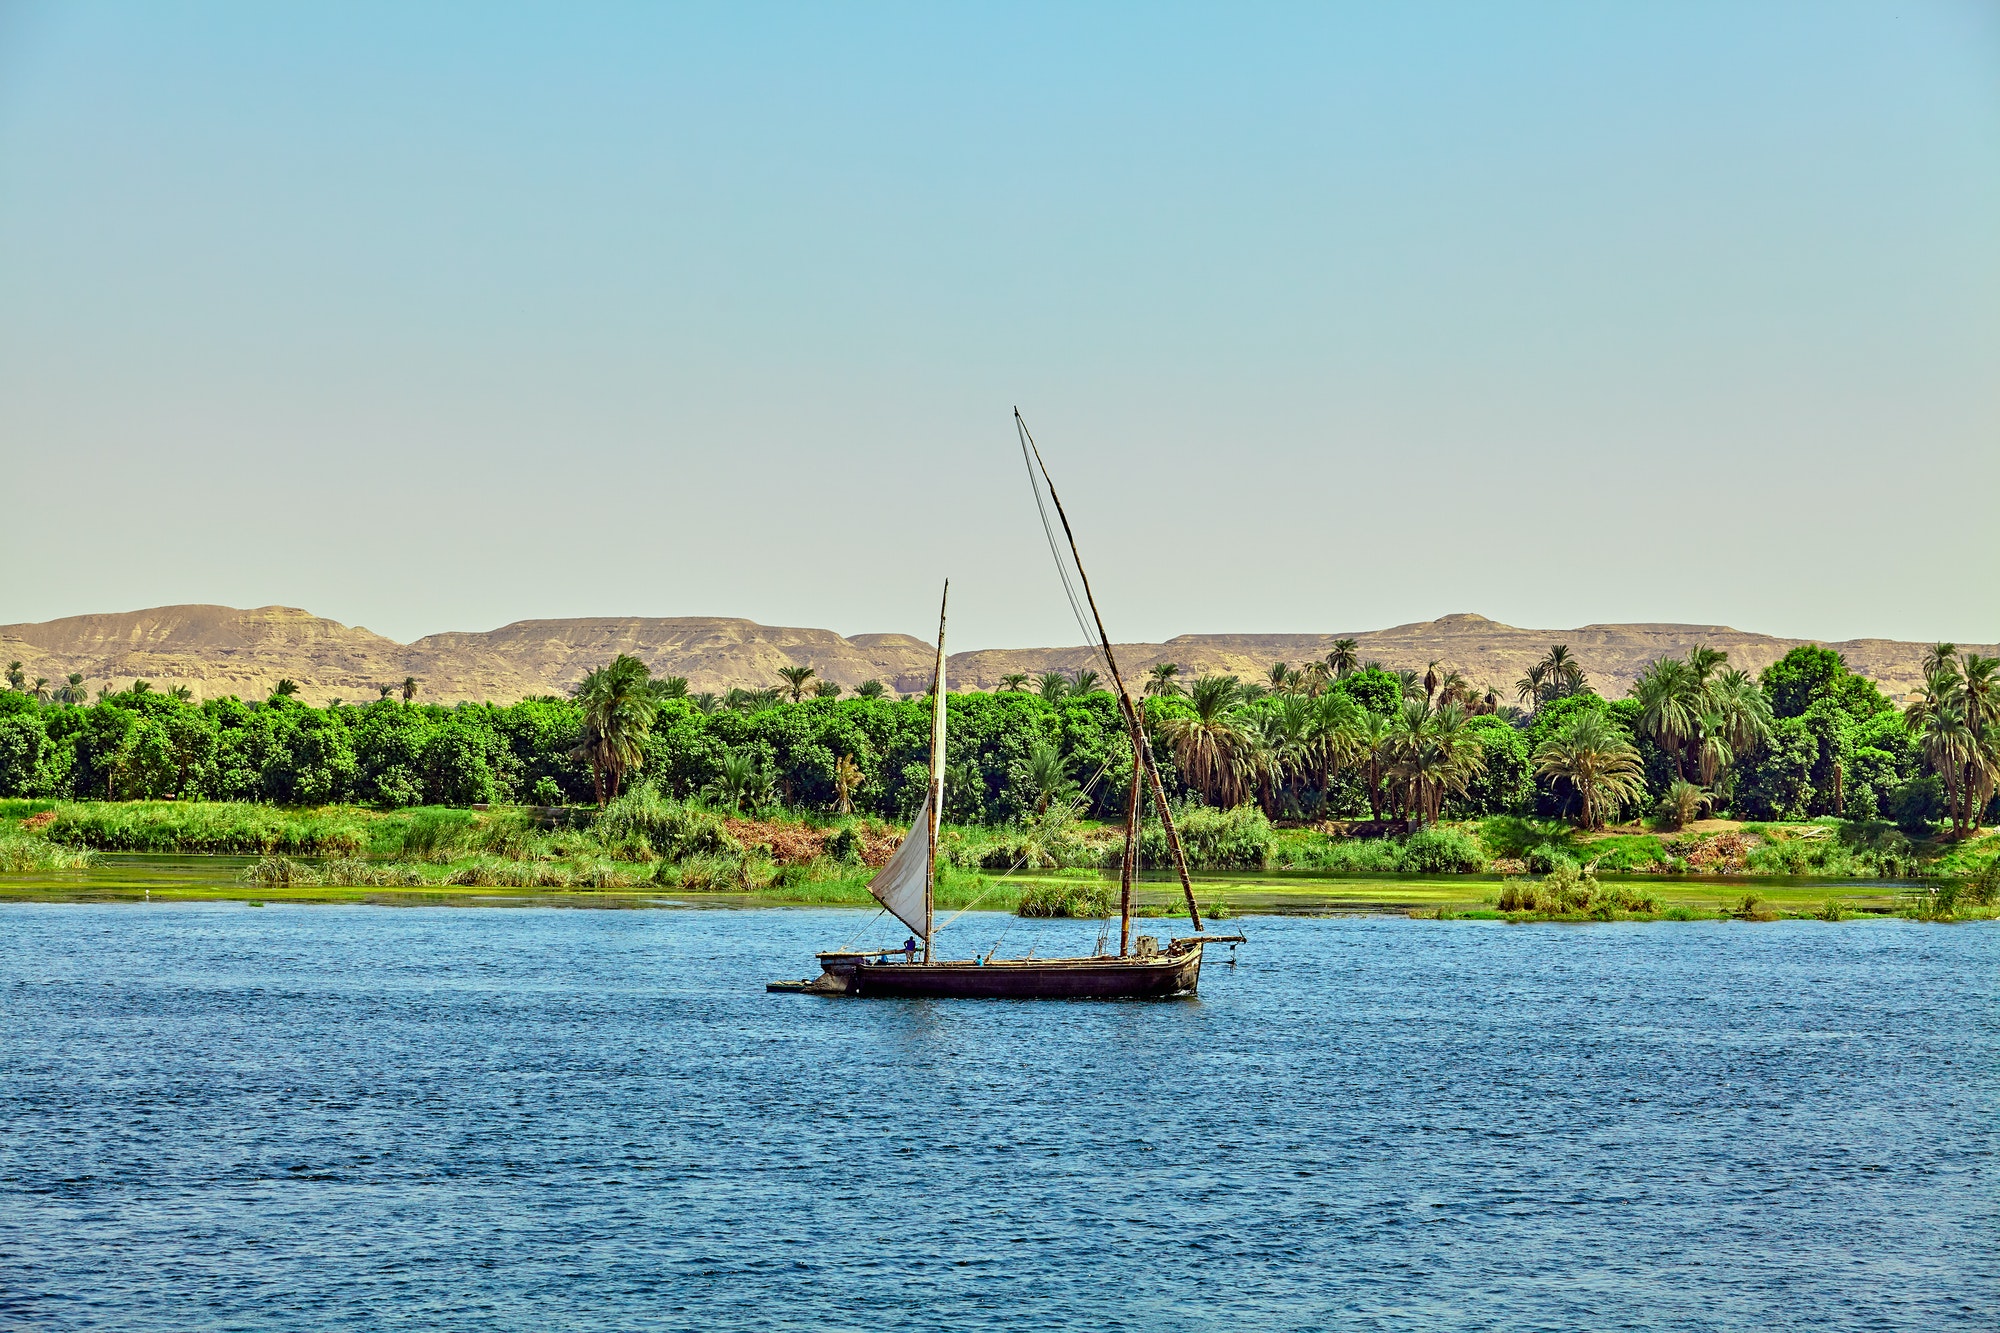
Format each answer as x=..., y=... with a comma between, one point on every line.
x=1326, y=317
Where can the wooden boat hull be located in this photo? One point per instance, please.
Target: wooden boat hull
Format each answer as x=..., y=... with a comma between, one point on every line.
x=1157, y=977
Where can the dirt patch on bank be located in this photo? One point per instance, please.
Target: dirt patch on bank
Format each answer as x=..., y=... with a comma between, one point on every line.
x=799, y=844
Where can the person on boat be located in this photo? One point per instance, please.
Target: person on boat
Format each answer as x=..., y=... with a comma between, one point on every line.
x=910, y=949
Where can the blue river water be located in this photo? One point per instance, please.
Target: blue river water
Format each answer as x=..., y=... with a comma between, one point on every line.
x=307, y=1118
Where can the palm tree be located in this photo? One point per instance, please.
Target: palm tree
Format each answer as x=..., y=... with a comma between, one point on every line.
x=1013, y=682
x=1374, y=749
x=1431, y=680
x=1163, y=680
x=40, y=689
x=1279, y=678
x=1591, y=753
x=1279, y=751
x=1043, y=776
x=385, y=690
x=827, y=689
x=1981, y=688
x=1054, y=686
x=1410, y=682
x=146, y=687
x=1342, y=658
x=1330, y=737
x=285, y=688
x=707, y=702
x=1684, y=803
x=1208, y=745
x=738, y=783
x=1435, y=755
x=1739, y=718
x=847, y=779
x=184, y=694
x=669, y=687
x=1957, y=725
x=1563, y=668
x=795, y=679
x=1086, y=680
x=618, y=715
x=1939, y=657
x=1713, y=754
x=870, y=689
x=1528, y=689
x=72, y=692
x=16, y=678
x=1705, y=662
x=410, y=688
x=1671, y=701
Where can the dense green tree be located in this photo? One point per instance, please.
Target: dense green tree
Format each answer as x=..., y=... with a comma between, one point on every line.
x=23, y=737
x=1802, y=675
x=1505, y=784
x=1373, y=689
x=1776, y=781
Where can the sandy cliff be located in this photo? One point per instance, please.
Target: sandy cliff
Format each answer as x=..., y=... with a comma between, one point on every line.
x=219, y=650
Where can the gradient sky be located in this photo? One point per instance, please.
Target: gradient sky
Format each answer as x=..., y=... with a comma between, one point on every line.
x=1327, y=317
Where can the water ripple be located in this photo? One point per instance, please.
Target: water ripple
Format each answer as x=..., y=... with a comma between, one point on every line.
x=357, y=1118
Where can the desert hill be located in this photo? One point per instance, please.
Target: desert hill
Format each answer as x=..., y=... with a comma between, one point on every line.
x=219, y=650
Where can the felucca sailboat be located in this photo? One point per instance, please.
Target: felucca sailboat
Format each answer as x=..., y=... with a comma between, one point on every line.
x=907, y=885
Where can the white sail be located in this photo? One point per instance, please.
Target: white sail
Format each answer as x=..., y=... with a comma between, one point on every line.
x=904, y=885
x=899, y=885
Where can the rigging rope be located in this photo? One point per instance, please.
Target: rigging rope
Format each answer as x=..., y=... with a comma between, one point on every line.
x=1021, y=860
x=1055, y=548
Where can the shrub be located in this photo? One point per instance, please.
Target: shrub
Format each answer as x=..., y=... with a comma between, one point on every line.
x=1050, y=841
x=434, y=834
x=1753, y=908
x=1239, y=839
x=1569, y=892
x=1916, y=805
x=1547, y=858
x=1092, y=899
x=1353, y=856
x=279, y=872
x=1984, y=887
x=1440, y=851
x=31, y=853
x=674, y=830
x=199, y=826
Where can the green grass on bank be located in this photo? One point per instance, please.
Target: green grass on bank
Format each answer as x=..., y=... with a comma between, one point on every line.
x=647, y=848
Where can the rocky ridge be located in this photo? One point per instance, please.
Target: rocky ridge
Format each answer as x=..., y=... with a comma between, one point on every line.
x=219, y=650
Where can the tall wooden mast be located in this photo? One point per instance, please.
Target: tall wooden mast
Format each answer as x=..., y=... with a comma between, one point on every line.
x=1142, y=749
x=937, y=778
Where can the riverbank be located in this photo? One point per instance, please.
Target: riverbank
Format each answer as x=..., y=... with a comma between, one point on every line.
x=645, y=851
x=645, y=827
x=139, y=878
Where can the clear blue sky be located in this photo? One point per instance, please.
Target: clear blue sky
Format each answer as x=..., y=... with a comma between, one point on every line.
x=1328, y=317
